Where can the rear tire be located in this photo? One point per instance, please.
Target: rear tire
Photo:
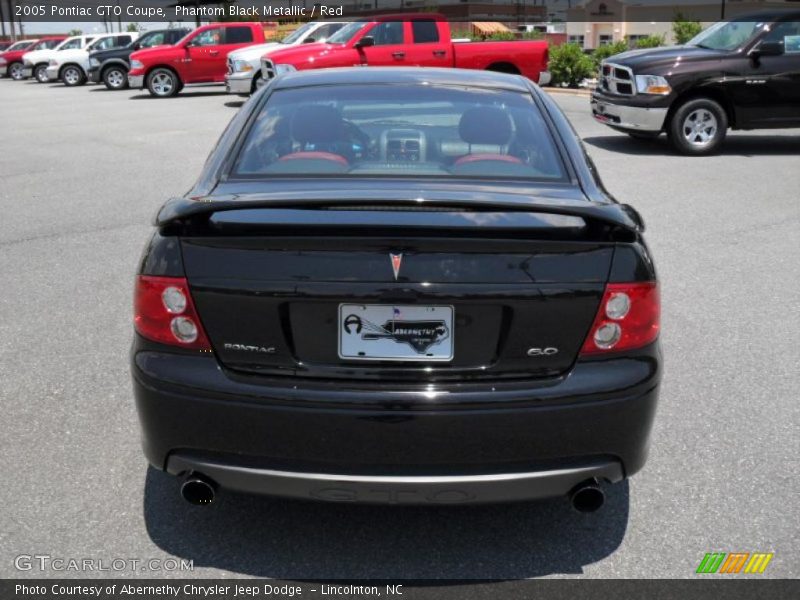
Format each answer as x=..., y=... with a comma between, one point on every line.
x=15, y=71
x=72, y=76
x=698, y=127
x=115, y=78
x=40, y=73
x=163, y=83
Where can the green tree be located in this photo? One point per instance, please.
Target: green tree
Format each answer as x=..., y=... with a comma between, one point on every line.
x=569, y=65
x=72, y=32
x=683, y=30
x=604, y=52
x=133, y=27
x=651, y=41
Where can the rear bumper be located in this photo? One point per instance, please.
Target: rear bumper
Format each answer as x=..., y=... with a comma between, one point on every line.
x=628, y=117
x=391, y=489
x=469, y=443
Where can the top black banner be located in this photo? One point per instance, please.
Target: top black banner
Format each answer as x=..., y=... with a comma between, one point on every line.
x=508, y=11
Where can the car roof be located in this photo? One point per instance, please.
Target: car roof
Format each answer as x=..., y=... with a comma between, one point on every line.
x=402, y=75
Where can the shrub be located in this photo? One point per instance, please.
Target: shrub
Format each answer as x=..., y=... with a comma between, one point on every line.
x=604, y=52
x=569, y=65
x=684, y=30
x=651, y=41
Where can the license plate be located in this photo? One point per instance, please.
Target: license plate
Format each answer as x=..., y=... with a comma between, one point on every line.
x=395, y=332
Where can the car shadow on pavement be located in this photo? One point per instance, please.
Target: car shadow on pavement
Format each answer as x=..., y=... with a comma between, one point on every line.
x=285, y=539
x=739, y=145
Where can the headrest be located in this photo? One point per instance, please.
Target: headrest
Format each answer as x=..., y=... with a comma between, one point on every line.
x=317, y=124
x=485, y=125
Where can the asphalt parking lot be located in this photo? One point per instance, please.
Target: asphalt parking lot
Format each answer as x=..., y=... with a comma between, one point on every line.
x=82, y=172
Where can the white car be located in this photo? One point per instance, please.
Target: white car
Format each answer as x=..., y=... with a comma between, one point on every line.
x=72, y=66
x=244, y=64
x=36, y=62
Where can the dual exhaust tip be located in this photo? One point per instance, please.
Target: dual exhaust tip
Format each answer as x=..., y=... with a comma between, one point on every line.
x=586, y=497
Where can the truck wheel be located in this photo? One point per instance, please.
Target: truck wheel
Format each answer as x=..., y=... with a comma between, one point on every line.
x=698, y=127
x=15, y=70
x=40, y=73
x=163, y=83
x=73, y=75
x=115, y=78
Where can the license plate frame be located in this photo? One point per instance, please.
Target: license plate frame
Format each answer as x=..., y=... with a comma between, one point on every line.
x=422, y=333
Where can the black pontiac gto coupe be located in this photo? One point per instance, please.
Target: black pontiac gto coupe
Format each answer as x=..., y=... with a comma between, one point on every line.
x=397, y=286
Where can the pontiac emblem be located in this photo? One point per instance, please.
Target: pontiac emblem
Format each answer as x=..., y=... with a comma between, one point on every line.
x=397, y=260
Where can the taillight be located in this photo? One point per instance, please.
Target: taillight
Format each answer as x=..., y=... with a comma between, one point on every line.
x=164, y=312
x=629, y=317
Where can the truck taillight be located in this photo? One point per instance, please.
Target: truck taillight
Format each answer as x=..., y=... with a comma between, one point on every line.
x=629, y=317
x=164, y=313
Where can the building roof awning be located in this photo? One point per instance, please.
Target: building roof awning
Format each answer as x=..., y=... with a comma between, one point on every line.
x=488, y=27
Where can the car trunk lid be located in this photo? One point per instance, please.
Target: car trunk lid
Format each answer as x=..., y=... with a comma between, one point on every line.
x=515, y=291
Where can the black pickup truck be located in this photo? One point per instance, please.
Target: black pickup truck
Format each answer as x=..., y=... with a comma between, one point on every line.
x=111, y=66
x=742, y=74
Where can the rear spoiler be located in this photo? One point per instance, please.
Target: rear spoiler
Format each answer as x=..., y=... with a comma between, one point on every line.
x=624, y=216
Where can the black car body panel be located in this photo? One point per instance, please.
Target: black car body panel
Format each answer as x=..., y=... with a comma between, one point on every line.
x=121, y=56
x=756, y=91
x=594, y=423
x=518, y=412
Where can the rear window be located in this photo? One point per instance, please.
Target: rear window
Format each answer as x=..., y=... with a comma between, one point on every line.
x=156, y=38
x=238, y=35
x=399, y=130
x=425, y=32
x=46, y=44
x=173, y=35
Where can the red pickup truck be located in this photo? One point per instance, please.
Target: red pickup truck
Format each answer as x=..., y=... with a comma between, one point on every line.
x=200, y=57
x=407, y=41
x=11, y=63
